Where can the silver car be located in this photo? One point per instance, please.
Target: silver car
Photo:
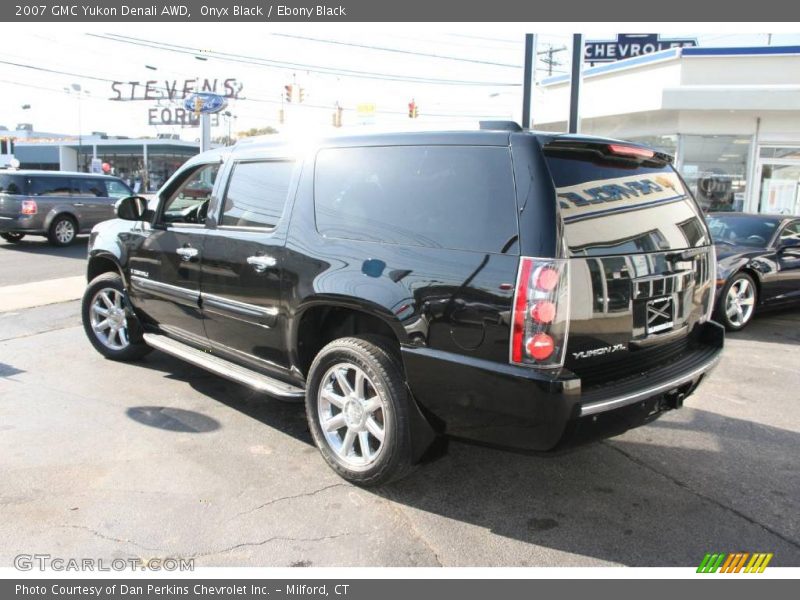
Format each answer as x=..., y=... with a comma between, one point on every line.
x=56, y=204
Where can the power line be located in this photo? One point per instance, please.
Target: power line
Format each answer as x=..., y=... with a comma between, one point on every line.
x=283, y=65
x=397, y=50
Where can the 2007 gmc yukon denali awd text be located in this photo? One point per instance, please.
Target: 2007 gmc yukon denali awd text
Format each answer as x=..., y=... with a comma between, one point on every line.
x=513, y=288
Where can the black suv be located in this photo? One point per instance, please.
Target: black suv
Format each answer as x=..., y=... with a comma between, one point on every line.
x=513, y=288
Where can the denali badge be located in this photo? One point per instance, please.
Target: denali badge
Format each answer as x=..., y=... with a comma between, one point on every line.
x=599, y=351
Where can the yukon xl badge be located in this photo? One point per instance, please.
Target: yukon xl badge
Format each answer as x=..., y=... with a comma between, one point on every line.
x=599, y=351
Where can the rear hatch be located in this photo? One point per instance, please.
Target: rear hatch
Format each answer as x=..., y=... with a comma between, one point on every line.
x=640, y=258
x=12, y=186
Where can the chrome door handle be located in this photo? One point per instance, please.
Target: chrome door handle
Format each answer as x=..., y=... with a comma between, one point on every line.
x=261, y=263
x=78, y=204
x=187, y=254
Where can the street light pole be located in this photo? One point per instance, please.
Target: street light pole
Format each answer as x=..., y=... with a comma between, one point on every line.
x=527, y=85
x=575, y=83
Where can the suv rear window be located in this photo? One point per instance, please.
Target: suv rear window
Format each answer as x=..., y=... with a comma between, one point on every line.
x=12, y=184
x=50, y=186
x=456, y=197
x=621, y=205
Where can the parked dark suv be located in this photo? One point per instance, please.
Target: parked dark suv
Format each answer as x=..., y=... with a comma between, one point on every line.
x=56, y=204
x=514, y=288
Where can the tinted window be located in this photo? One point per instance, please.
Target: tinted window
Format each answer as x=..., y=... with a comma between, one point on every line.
x=12, y=184
x=50, y=186
x=188, y=203
x=117, y=189
x=742, y=231
x=791, y=232
x=437, y=196
x=617, y=205
x=257, y=194
x=90, y=187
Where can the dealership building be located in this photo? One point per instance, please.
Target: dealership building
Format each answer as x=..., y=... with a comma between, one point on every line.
x=145, y=163
x=731, y=117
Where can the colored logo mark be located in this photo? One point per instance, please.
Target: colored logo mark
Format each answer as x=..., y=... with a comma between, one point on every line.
x=735, y=562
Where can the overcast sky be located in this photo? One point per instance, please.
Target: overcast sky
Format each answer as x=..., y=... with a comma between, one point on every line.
x=456, y=74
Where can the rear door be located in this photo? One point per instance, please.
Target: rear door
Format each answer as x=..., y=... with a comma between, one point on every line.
x=89, y=197
x=640, y=257
x=242, y=265
x=165, y=266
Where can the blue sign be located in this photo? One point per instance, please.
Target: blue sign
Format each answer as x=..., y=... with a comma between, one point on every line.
x=205, y=102
x=628, y=45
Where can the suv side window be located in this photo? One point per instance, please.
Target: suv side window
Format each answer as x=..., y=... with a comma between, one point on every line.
x=117, y=189
x=50, y=186
x=189, y=202
x=457, y=197
x=12, y=184
x=86, y=186
x=256, y=194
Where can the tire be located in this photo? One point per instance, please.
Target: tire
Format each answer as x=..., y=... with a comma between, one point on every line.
x=109, y=323
x=737, y=302
x=63, y=231
x=381, y=406
x=12, y=236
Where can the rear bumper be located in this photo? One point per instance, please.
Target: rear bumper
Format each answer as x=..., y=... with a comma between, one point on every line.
x=21, y=224
x=515, y=407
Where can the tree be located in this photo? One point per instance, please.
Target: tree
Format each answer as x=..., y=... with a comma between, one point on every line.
x=253, y=131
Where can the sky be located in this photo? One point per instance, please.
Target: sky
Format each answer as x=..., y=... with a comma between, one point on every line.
x=455, y=74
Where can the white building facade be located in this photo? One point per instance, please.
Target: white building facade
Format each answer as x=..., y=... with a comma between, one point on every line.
x=730, y=116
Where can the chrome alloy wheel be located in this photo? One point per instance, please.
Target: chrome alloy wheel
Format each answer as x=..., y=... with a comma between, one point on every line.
x=352, y=415
x=65, y=231
x=109, y=322
x=740, y=302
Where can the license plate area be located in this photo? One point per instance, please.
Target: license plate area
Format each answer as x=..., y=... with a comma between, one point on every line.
x=659, y=315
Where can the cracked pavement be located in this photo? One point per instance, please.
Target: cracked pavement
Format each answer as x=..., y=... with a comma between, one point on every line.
x=158, y=458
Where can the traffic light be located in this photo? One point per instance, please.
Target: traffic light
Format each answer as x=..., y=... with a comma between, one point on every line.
x=301, y=94
x=413, y=109
x=289, y=88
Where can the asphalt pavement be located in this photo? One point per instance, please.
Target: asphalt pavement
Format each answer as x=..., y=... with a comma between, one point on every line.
x=159, y=458
x=34, y=259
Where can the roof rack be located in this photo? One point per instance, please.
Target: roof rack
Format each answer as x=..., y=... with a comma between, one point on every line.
x=500, y=125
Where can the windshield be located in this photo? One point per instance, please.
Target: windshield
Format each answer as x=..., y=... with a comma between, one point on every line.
x=741, y=230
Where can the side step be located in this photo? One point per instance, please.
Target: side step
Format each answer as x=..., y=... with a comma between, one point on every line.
x=223, y=367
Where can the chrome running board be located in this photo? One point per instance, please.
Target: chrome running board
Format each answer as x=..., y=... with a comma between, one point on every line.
x=223, y=367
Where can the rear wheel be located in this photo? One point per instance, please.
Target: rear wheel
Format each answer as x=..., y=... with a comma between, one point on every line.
x=63, y=231
x=358, y=411
x=738, y=302
x=12, y=236
x=111, y=326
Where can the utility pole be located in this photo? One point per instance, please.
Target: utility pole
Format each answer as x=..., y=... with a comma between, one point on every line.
x=527, y=83
x=575, y=83
x=550, y=59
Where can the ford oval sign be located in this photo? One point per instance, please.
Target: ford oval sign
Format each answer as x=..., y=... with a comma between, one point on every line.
x=205, y=102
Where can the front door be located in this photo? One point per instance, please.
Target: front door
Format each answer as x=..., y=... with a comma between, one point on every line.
x=242, y=266
x=788, y=258
x=165, y=267
x=91, y=201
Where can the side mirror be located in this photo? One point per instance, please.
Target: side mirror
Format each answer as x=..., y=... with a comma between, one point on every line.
x=132, y=208
x=790, y=246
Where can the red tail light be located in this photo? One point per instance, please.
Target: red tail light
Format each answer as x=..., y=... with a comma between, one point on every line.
x=29, y=207
x=541, y=313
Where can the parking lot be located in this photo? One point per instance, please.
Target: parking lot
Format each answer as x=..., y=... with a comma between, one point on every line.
x=159, y=458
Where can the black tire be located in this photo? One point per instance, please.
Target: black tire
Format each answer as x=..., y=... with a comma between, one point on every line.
x=12, y=236
x=734, y=322
x=58, y=236
x=384, y=376
x=135, y=348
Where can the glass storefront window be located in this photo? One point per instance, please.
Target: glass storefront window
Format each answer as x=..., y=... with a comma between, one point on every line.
x=780, y=189
x=715, y=169
x=668, y=144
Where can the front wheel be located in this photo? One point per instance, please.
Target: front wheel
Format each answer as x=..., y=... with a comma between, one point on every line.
x=110, y=326
x=12, y=236
x=358, y=411
x=737, y=302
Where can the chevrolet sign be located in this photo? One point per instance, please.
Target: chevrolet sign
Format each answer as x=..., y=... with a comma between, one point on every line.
x=628, y=45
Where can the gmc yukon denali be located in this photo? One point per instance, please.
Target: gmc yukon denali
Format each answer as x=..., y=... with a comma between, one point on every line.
x=513, y=288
